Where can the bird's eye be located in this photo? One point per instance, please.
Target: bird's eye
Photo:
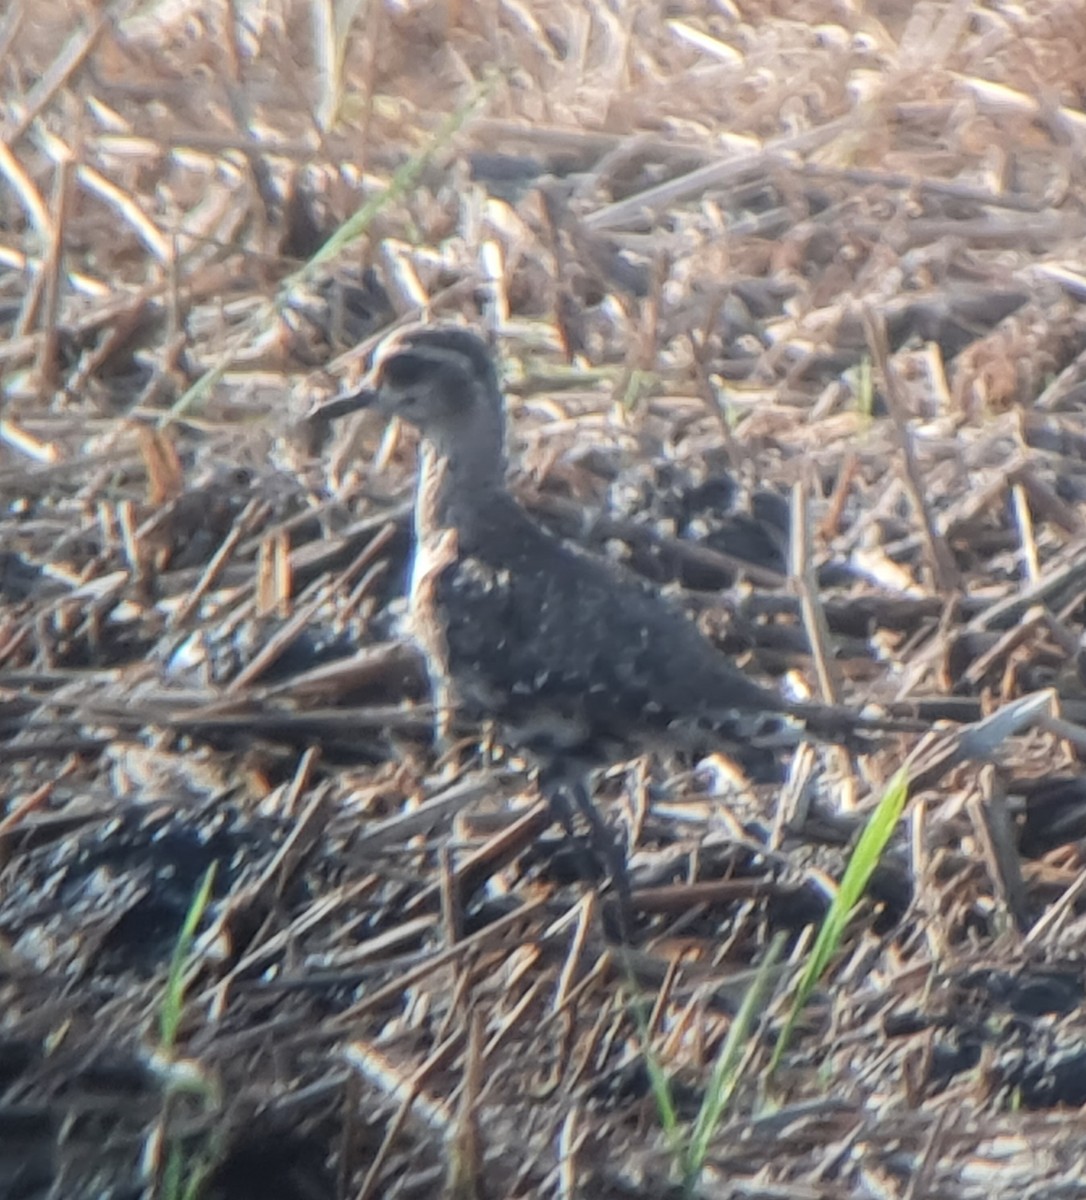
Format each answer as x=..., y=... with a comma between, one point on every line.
x=405, y=370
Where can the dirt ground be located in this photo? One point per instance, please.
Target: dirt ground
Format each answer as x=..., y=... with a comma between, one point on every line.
x=788, y=301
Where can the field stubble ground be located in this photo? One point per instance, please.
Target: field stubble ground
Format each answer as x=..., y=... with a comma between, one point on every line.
x=789, y=298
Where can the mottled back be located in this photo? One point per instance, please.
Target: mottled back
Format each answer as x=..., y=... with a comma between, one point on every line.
x=568, y=652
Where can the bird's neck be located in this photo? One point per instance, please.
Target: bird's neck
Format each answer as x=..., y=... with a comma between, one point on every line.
x=456, y=489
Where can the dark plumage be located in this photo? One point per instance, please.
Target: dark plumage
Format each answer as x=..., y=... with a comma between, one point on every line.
x=577, y=661
x=549, y=639
x=571, y=654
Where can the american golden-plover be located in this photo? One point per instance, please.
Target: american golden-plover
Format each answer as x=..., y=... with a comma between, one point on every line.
x=577, y=661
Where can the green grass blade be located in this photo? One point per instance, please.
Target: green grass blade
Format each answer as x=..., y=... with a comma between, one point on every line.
x=658, y=1080
x=865, y=857
x=354, y=227
x=726, y=1070
x=173, y=995
x=402, y=181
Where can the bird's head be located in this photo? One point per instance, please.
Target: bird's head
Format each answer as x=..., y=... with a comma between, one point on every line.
x=441, y=379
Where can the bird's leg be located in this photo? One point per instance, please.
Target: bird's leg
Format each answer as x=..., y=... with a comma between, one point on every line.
x=560, y=784
x=610, y=846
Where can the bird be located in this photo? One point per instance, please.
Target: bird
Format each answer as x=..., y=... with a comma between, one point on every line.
x=576, y=661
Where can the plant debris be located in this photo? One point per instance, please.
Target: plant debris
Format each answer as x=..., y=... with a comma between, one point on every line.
x=789, y=300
